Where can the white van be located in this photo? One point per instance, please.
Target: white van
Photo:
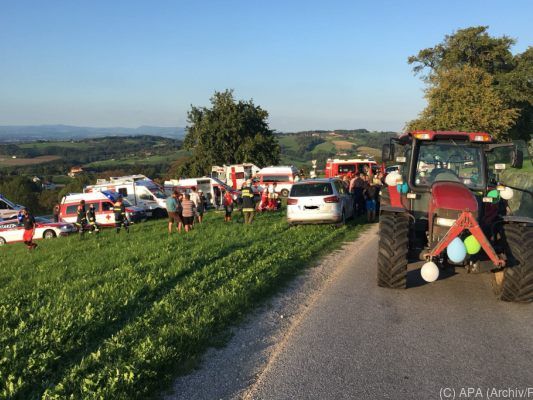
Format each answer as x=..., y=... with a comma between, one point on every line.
x=103, y=203
x=234, y=175
x=283, y=176
x=8, y=209
x=138, y=189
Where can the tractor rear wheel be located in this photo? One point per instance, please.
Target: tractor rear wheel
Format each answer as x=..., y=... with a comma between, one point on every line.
x=392, y=250
x=515, y=283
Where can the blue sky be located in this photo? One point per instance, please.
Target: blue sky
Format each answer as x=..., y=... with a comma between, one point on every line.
x=311, y=64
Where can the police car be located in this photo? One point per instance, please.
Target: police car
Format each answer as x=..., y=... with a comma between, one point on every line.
x=11, y=230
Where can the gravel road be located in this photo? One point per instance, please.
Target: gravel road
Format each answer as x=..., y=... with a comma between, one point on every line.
x=333, y=334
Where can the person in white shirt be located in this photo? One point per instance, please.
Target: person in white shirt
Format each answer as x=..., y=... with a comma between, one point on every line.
x=195, y=198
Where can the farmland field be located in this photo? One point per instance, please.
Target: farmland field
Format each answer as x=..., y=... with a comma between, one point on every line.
x=119, y=316
x=17, y=162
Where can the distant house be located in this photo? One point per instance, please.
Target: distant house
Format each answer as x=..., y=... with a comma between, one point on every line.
x=75, y=171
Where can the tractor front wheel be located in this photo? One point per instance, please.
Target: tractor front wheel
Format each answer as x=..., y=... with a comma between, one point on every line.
x=392, y=250
x=515, y=283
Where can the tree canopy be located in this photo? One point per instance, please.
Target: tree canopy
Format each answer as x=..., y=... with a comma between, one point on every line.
x=493, y=76
x=230, y=132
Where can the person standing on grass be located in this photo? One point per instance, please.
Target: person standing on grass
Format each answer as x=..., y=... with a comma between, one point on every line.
x=172, y=210
x=248, y=204
x=189, y=210
x=200, y=206
x=121, y=221
x=91, y=218
x=228, y=206
x=195, y=198
x=81, y=218
x=29, y=229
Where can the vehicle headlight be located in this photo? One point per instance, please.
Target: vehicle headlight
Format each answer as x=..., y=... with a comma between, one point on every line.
x=447, y=222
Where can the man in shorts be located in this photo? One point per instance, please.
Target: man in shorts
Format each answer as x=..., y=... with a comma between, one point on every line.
x=371, y=193
x=172, y=210
x=29, y=229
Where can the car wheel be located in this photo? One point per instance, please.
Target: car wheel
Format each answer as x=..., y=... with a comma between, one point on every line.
x=49, y=234
x=2, y=241
x=285, y=193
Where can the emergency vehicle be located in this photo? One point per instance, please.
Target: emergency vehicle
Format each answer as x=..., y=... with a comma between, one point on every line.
x=283, y=176
x=212, y=188
x=234, y=175
x=338, y=168
x=103, y=204
x=11, y=231
x=8, y=209
x=141, y=192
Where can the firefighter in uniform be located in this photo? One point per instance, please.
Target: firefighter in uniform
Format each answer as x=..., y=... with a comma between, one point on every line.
x=248, y=203
x=81, y=217
x=120, y=215
x=91, y=218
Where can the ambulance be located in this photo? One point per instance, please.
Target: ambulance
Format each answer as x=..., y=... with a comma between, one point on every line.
x=11, y=231
x=234, y=175
x=8, y=209
x=103, y=203
x=339, y=168
x=140, y=191
x=283, y=176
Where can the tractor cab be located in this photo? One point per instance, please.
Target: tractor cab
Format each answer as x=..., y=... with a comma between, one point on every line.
x=448, y=192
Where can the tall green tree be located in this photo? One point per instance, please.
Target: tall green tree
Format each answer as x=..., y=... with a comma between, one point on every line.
x=463, y=98
x=229, y=132
x=474, y=47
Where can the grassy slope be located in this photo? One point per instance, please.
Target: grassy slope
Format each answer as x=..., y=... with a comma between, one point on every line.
x=157, y=159
x=119, y=316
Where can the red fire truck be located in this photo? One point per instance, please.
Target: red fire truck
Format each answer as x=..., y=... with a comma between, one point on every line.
x=336, y=167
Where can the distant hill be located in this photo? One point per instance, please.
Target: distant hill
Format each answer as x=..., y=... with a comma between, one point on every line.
x=22, y=133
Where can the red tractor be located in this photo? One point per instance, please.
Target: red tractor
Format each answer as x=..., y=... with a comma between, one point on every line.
x=446, y=206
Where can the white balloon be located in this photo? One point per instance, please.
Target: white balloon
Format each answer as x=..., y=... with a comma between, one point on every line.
x=393, y=178
x=507, y=193
x=430, y=272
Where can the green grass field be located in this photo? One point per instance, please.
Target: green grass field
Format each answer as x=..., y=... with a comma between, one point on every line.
x=156, y=159
x=120, y=316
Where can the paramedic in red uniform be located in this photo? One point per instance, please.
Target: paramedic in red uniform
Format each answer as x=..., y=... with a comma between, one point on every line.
x=29, y=229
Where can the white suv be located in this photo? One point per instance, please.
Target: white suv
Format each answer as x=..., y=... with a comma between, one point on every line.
x=319, y=201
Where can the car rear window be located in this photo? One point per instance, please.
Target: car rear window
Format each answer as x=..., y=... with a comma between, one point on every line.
x=311, y=189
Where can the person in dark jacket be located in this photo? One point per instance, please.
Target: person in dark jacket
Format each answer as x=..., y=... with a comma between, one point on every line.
x=121, y=221
x=248, y=203
x=91, y=218
x=81, y=218
x=29, y=229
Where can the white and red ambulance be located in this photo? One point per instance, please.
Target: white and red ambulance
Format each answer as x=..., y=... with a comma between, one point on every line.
x=103, y=204
x=11, y=231
x=283, y=176
x=234, y=175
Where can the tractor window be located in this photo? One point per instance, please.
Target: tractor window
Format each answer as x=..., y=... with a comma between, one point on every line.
x=449, y=162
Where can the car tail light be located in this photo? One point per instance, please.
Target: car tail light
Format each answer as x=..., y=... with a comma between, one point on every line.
x=331, y=199
x=291, y=202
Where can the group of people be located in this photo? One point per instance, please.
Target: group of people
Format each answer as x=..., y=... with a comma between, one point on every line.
x=184, y=208
x=365, y=187
x=86, y=217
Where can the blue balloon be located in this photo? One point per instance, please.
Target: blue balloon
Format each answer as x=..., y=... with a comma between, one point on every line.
x=456, y=250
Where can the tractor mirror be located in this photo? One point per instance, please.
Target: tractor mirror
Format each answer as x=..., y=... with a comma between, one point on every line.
x=517, y=158
x=387, y=152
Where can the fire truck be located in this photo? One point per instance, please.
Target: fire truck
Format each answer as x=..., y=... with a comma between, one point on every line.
x=338, y=168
